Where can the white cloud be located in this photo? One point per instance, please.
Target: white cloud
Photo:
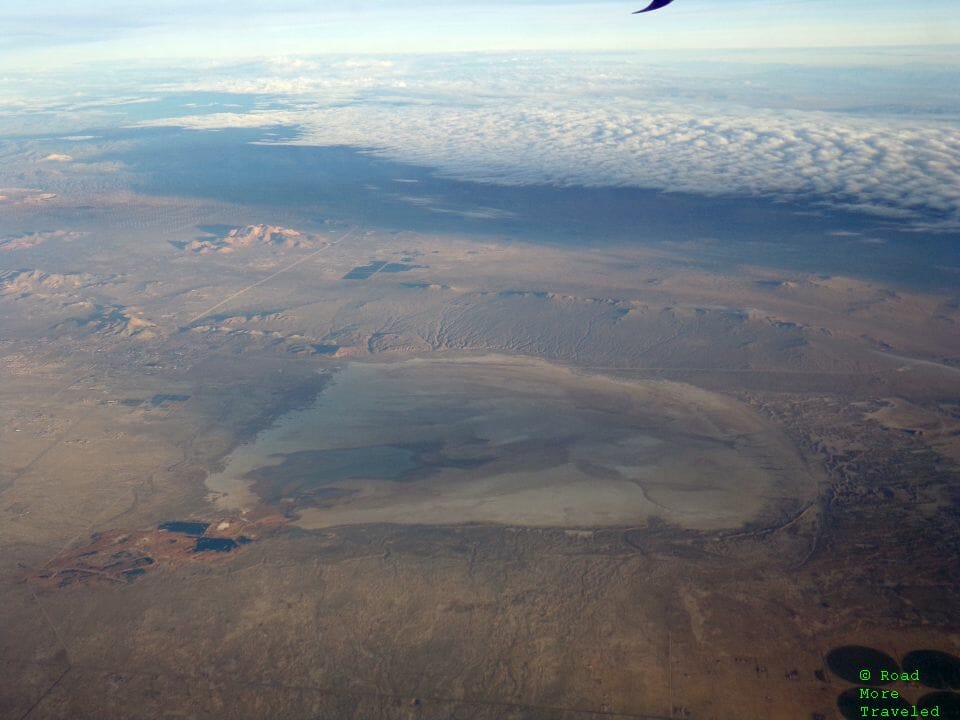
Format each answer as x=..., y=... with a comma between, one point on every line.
x=704, y=123
x=888, y=168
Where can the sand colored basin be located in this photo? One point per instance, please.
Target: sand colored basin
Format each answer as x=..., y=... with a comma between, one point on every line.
x=516, y=441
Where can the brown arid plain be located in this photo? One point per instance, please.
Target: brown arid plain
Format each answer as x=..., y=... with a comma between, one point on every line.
x=448, y=476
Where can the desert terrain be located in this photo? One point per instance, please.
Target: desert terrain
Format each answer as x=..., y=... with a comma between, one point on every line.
x=270, y=460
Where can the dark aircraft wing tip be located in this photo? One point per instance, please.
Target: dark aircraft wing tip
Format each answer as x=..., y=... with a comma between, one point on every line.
x=655, y=5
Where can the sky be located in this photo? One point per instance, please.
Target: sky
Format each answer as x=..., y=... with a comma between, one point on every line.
x=845, y=103
x=45, y=34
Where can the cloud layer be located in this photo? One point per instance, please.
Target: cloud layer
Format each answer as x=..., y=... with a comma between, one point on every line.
x=900, y=170
x=568, y=124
